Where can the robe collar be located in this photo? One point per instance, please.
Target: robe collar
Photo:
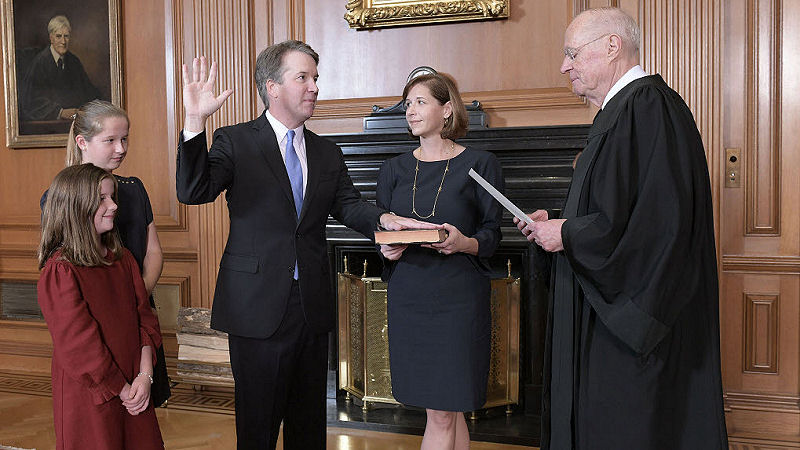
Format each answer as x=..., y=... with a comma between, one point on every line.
x=633, y=74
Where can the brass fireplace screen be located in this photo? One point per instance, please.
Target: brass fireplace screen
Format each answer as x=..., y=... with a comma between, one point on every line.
x=364, y=340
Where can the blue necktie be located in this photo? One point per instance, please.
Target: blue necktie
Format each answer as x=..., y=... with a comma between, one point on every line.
x=295, y=172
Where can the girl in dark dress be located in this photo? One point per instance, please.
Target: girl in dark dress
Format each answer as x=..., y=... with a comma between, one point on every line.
x=95, y=304
x=99, y=135
x=438, y=295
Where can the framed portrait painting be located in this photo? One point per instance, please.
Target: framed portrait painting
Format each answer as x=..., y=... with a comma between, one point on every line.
x=57, y=55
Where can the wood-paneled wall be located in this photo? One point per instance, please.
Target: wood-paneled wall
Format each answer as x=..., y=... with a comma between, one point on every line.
x=730, y=61
x=760, y=227
x=510, y=66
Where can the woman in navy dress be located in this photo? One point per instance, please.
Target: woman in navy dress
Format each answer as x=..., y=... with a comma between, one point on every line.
x=438, y=295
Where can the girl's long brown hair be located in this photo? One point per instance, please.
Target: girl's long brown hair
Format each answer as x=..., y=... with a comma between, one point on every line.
x=68, y=218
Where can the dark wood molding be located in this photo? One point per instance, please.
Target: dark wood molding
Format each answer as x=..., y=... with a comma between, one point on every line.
x=762, y=402
x=491, y=101
x=760, y=333
x=763, y=119
x=36, y=350
x=761, y=264
x=178, y=254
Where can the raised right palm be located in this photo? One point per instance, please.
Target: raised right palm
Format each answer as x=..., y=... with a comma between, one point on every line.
x=199, y=100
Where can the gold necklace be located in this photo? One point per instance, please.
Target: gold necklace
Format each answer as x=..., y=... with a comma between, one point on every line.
x=439, y=191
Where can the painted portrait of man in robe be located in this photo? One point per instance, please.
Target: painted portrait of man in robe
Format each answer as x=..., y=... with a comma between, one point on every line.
x=65, y=54
x=55, y=83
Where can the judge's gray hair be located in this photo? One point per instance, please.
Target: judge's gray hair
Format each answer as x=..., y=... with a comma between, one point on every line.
x=57, y=23
x=269, y=64
x=615, y=21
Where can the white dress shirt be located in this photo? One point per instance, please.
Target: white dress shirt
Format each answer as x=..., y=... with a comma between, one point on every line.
x=55, y=54
x=281, y=133
x=633, y=74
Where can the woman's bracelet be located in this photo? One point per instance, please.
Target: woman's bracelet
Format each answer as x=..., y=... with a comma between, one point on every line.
x=150, y=377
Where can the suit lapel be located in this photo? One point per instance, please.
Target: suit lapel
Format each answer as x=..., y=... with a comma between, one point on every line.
x=267, y=144
x=314, y=160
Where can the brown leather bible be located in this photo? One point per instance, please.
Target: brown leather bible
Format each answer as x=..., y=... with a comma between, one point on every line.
x=410, y=237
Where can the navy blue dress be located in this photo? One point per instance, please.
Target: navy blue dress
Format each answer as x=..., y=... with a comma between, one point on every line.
x=438, y=305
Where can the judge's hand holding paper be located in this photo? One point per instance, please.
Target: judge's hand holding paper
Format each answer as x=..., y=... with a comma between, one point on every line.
x=545, y=233
x=536, y=226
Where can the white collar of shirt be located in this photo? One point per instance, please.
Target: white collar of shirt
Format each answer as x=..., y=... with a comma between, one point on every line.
x=55, y=54
x=633, y=74
x=299, y=143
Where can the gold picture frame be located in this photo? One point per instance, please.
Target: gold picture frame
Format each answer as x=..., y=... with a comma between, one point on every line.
x=37, y=105
x=368, y=14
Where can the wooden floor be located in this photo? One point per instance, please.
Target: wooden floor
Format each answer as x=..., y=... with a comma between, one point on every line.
x=26, y=421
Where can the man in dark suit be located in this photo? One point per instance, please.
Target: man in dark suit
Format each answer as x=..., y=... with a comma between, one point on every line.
x=273, y=297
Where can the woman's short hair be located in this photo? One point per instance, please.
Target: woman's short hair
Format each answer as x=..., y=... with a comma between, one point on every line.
x=444, y=90
x=269, y=64
x=68, y=218
x=88, y=122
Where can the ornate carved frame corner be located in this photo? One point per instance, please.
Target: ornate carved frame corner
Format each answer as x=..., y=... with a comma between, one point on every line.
x=369, y=14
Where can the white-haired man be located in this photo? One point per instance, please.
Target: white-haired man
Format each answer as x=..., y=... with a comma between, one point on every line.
x=632, y=357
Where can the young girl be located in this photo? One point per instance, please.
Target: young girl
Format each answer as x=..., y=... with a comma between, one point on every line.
x=96, y=308
x=99, y=135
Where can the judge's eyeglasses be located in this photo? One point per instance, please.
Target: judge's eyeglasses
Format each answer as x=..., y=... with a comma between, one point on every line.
x=572, y=53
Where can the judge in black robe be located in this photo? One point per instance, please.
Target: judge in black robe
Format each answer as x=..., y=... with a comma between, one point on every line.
x=632, y=353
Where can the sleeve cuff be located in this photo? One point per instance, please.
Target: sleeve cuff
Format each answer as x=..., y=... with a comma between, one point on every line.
x=109, y=387
x=145, y=339
x=188, y=135
x=636, y=328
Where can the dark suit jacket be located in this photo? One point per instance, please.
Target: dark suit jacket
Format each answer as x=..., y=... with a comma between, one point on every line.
x=257, y=267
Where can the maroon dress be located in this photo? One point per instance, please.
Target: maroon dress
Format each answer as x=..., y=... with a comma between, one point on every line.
x=99, y=319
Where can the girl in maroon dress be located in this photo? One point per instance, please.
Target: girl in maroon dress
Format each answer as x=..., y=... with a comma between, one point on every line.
x=97, y=310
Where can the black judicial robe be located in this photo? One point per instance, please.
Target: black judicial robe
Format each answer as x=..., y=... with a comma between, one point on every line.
x=46, y=89
x=632, y=354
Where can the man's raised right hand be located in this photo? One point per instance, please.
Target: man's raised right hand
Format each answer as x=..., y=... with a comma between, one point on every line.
x=199, y=100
